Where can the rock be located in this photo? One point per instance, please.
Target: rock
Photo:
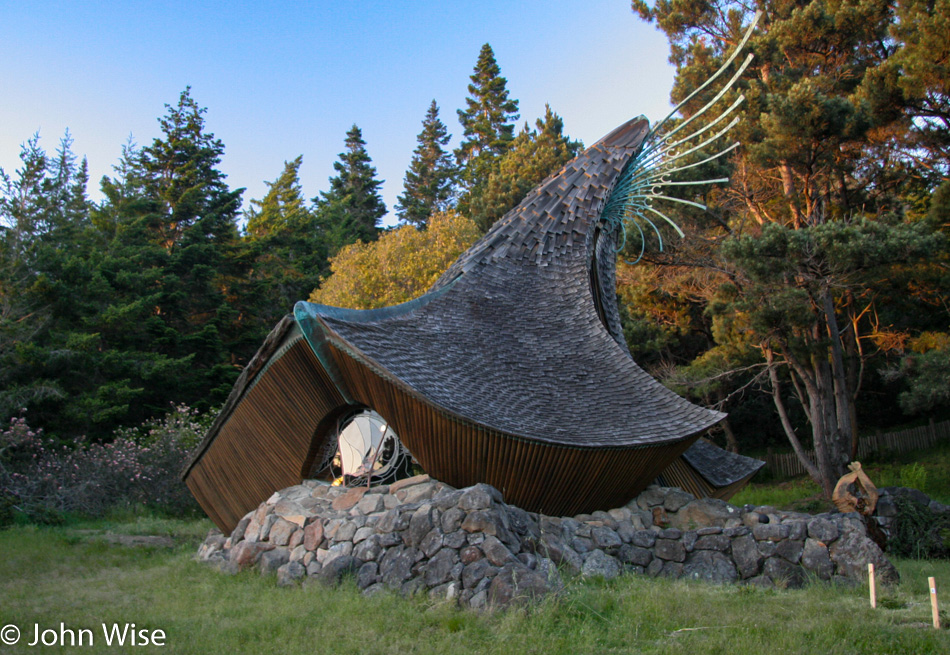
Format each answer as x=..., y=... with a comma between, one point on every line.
x=689, y=540
x=238, y=532
x=343, y=532
x=676, y=499
x=746, y=556
x=280, y=532
x=292, y=512
x=711, y=566
x=654, y=568
x=349, y=499
x=419, y=526
x=719, y=542
x=452, y=519
x=417, y=493
x=823, y=530
x=560, y=553
x=396, y=566
x=815, y=558
x=790, y=550
x=333, y=571
x=605, y=538
x=702, y=513
x=479, y=600
x=342, y=549
x=455, y=540
x=273, y=560
x=668, y=549
x=368, y=550
x=477, y=497
x=672, y=570
x=363, y=533
x=528, y=559
x=797, y=529
x=513, y=585
x=439, y=568
x=703, y=532
x=296, y=539
x=770, y=532
x=496, y=552
x=431, y=543
x=851, y=554
x=600, y=564
x=247, y=553
x=634, y=555
x=367, y=575
x=370, y=503
x=644, y=538
x=313, y=535
x=487, y=521
x=298, y=554
x=783, y=573
x=266, y=525
x=407, y=482
x=474, y=573
x=470, y=554
x=290, y=574
x=582, y=545
x=649, y=498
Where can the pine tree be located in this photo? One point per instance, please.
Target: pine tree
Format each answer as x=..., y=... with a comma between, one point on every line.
x=352, y=209
x=488, y=122
x=533, y=156
x=431, y=175
x=286, y=247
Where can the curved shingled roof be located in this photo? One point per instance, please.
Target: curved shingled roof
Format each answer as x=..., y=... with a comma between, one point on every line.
x=522, y=333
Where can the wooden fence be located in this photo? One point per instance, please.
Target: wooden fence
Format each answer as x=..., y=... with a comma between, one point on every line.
x=787, y=465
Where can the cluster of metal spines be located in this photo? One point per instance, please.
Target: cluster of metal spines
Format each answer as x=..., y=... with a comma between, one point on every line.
x=670, y=148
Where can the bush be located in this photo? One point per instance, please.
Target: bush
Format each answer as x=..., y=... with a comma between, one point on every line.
x=917, y=532
x=44, y=480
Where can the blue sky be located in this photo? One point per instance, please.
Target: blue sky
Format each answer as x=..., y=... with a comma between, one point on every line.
x=281, y=79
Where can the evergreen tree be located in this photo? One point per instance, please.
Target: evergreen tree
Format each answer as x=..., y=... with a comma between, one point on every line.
x=533, y=156
x=352, y=209
x=431, y=175
x=488, y=122
x=286, y=247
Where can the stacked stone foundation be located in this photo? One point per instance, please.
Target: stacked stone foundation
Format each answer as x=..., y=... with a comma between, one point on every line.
x=466, y=545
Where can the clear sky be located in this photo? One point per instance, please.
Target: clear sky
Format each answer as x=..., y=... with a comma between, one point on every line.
x=281, y=79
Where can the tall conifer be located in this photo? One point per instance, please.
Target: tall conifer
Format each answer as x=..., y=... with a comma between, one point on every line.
x=431, y=175
x=488, y=122
x=352, y=209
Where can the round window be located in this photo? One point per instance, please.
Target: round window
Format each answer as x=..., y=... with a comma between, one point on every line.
x=368, y=451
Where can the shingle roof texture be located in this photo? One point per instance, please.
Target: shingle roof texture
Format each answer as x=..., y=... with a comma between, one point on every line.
x=511, y=338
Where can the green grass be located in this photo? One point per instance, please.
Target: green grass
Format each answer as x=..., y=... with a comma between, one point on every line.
x=927, y=470
x=66, y=574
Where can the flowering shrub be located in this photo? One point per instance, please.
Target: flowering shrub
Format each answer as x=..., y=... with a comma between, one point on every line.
x=140, y=466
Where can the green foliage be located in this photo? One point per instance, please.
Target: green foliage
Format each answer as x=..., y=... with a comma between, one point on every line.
x=917, y=532
x=352, y=209
x=532, y=156
x=914, y=476
x=429, y=182
x=286, y=250
x=815, y=260
x=398, y=267
x=488, y=123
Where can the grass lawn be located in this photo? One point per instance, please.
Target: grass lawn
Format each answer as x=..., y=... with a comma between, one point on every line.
x=70, y=575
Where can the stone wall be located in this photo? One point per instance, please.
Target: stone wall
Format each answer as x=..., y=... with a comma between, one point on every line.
x=466, y=544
